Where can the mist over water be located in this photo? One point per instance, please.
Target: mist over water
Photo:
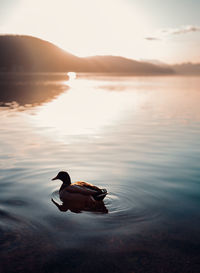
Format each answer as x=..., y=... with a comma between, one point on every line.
x=138, y=137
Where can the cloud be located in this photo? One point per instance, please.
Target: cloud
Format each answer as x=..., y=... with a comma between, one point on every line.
x=180, y=30
x=152, y=39
x=163, y=33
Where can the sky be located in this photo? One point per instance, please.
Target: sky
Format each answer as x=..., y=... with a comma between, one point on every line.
x=167, y=31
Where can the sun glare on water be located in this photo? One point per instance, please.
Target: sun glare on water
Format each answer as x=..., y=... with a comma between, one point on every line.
x=85, y=109
x=71, y=75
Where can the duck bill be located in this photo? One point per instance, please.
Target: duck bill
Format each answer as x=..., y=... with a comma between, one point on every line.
x=54, y=178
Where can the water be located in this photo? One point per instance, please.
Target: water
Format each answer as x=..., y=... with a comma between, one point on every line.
x=138, y=137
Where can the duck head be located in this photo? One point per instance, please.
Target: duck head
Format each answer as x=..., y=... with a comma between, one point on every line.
x=64, y=177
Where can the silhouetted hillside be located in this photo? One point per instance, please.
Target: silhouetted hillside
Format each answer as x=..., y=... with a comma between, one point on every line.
x=180, y=69
x=120, y=64
x=25, y=53
x=187, y=68
x=30, y=54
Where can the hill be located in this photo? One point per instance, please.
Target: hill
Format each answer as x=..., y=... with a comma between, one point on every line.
x=124, y=65
x=180, y=69
x=187, y=68
x=30, y=54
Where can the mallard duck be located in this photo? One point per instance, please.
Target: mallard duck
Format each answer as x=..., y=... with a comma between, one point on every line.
x=79, y=190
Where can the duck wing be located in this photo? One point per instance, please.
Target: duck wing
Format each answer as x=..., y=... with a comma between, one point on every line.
x=98, y=194
x=87, y=185
x=87, y=189
x=78, y=188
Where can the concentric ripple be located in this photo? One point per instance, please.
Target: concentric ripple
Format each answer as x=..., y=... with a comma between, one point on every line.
x=130, y=206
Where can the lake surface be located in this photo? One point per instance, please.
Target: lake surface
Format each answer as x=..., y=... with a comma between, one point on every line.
x=138, y=137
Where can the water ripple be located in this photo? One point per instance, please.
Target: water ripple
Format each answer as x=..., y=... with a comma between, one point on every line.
x=127, y=206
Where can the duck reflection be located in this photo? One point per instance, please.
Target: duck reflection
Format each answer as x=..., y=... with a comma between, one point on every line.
x=30, y=89
x=77, y=203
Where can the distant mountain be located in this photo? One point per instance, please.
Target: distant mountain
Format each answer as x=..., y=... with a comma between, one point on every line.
x=156, y=62
x=187, y=68
x=30, y=54
x=121, y=64
x=180, y=69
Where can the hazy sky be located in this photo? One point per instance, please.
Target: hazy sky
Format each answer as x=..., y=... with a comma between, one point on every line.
x=165, y=30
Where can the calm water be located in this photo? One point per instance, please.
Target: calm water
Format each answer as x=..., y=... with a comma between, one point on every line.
x=137, y=137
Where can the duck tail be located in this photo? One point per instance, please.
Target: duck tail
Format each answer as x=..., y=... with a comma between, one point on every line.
x=100, y=195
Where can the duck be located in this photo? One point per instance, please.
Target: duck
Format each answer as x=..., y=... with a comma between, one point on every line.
x=78, y=191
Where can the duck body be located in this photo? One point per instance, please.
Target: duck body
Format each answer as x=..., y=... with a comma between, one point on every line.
x=79, y=190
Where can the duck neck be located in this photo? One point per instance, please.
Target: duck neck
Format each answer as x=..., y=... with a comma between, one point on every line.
x=65, y=184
